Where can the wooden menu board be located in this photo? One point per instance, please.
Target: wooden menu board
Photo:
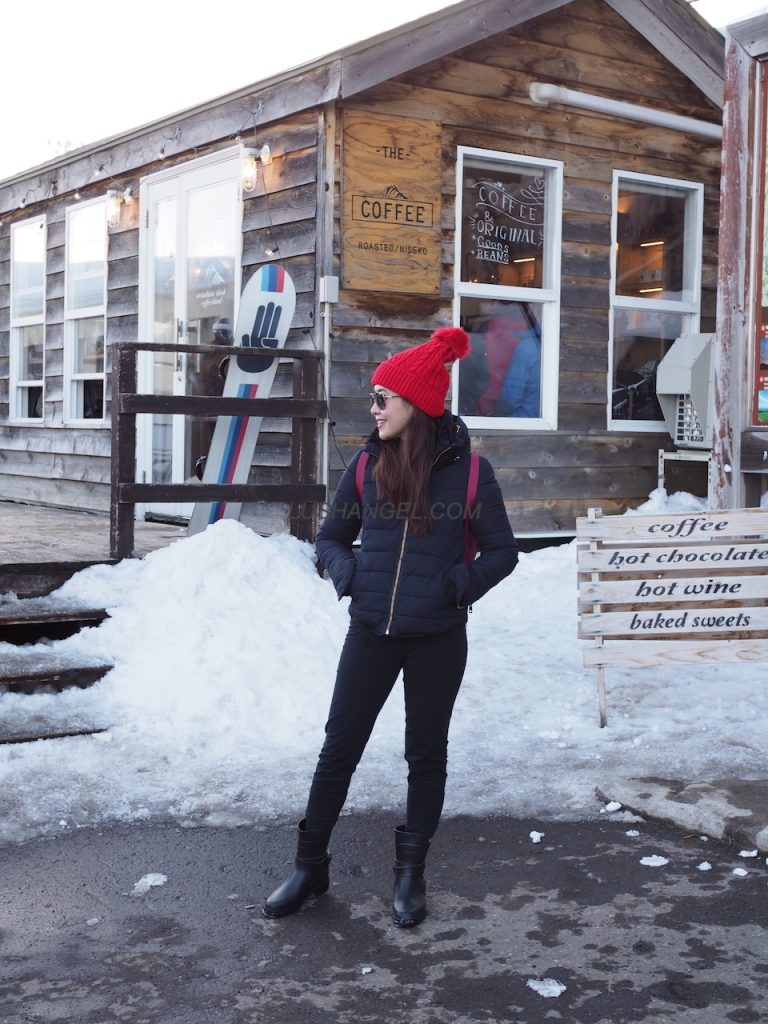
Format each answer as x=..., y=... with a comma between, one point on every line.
x=686, y=588
x=391, y=204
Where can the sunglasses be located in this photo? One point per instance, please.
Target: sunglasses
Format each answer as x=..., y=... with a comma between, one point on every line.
x=380, y=399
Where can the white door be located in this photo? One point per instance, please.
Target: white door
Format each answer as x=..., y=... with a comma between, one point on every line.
x=190, y=282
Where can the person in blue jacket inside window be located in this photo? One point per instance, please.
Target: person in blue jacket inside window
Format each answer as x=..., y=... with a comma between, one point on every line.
x=521, y=391
x=410, y=588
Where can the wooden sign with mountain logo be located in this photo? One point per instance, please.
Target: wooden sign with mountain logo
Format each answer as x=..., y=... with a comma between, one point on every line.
x=391, y=204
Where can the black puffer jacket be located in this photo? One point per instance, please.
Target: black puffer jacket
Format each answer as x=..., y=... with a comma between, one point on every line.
x=407, y=585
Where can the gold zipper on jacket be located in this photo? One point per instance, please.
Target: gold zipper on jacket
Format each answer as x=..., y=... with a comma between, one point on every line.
x=397, y=578
x=400, y=563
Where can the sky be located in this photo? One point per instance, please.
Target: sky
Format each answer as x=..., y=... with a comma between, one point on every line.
x=73, y=83
x=214, y=710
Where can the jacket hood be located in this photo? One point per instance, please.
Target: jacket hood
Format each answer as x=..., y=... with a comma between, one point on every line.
x=452, y=439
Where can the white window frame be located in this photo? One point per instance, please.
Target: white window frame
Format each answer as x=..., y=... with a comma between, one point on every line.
x=15, y=384
x=689, y=307
x=73, y=381
x=548, y=297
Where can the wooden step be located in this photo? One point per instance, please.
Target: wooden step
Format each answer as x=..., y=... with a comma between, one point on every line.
x=25, y=622
x=52, y=732
x=19, y=725
x=33, y=579
x=22, y=672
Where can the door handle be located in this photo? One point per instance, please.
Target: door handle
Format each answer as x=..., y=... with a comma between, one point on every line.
x=179, y=338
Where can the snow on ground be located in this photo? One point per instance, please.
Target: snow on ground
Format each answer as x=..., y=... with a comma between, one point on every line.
x=225, y=647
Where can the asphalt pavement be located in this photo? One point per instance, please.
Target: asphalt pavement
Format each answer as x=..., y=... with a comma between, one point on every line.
x=599, y=922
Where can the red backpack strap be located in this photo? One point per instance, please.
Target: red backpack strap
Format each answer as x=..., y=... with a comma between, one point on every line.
x=360, y=474
x=470, y=545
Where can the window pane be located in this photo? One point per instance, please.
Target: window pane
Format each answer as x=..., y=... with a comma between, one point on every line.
x=640, y=340
x=164, y=324
x=31, y=353
x=28, y=269
x=650, y=257
x=211, y=234
x=86, y=257
x=502, y=230
x=162, y=449
x=91, y=395
x=89, y=345
x=502, y=374
x=32, y=403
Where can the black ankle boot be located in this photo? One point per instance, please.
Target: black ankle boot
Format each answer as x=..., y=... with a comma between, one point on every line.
x=309, y=877
x=409, y=904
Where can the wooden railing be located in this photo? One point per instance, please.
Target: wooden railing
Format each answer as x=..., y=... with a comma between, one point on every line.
x=303, y=493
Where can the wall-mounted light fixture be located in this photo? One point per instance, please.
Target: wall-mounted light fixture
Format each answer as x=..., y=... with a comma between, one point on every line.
x=249, y=165
x=249, y=162
x=114, y=200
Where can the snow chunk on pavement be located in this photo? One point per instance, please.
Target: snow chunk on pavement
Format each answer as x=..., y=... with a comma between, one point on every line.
x=546, y=987
x=748, y=853
x=654, y=862
x=536, y=837
x=632, y=832
x=705, y=866
x=145, y=884
x=740, y=871
x=614, y=805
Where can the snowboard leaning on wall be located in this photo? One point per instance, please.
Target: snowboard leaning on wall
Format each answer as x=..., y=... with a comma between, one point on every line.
x=266, y=310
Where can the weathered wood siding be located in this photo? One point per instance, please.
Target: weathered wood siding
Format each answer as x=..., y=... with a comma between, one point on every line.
x=51, y=463
x=280, y=225
x=42, y=462
x=480, y=97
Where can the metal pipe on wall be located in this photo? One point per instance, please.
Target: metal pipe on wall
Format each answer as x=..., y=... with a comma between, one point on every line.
x=544, y=93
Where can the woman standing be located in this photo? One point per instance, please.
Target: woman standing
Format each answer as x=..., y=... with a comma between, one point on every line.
x=410, y=588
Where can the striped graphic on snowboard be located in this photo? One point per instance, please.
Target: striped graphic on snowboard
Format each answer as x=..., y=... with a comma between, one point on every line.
x=232, y=450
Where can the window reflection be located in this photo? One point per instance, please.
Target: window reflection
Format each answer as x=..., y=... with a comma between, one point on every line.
x=650, y=242
x=31, y=362
x=502, y=374
x=641, y=338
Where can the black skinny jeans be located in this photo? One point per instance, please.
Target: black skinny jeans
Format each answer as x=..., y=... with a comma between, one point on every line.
x=432, y=668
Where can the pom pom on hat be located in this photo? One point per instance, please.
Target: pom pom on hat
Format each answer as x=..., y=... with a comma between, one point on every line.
x=455, y=339
x=419, y=373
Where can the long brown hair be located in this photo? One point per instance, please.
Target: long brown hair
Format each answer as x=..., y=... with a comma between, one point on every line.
x=403, y=469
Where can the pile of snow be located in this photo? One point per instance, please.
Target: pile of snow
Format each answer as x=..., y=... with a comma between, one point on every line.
x=225, y=647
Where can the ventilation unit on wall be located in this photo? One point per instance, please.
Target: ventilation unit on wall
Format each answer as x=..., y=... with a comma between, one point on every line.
x=685, y=387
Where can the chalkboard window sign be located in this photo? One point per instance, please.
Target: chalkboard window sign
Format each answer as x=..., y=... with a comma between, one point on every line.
x=503, y=225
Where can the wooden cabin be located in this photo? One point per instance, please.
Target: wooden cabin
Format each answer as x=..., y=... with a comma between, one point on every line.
x=741, y=377
x=544, y=173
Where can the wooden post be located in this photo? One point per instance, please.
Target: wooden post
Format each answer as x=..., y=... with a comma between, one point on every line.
x=303, y=450
x=732, y=349
x=123, y=468
x=594, y=514
x=601, y=696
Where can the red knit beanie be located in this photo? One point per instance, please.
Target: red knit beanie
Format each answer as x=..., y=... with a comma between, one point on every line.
x=419, y=373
